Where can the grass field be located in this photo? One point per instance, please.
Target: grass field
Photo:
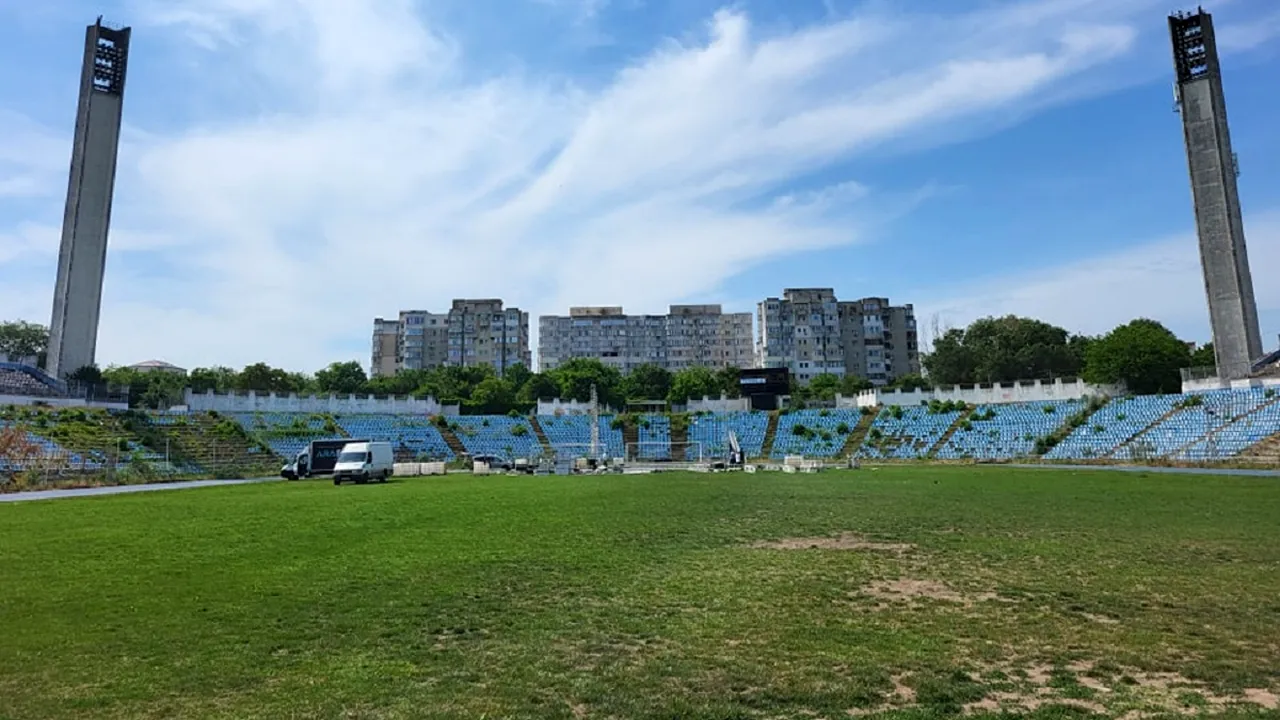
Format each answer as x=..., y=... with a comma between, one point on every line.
x=907, y=592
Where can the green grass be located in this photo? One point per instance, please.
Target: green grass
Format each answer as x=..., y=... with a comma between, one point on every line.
x=639, y=597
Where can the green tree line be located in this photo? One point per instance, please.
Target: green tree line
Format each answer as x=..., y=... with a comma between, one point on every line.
x=1142, y=354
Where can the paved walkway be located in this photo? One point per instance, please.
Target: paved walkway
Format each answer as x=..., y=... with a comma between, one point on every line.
x=120, y=489
x=1171, y=470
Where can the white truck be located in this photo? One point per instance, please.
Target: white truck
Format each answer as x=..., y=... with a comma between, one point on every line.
x=361, y=462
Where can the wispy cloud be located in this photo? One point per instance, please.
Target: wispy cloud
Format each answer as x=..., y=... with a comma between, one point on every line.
x=1159, y=279
x=361, y=167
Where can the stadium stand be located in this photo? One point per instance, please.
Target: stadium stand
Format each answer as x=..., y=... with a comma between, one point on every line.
x=15, y=381
x=813, y=433
x=285, y=433
x=413, y=437
x=46, y=449
x=1238, y=436
x=712, y=431
x=905, y=432
x=497, y=435
x=1118, y=422
x=655, y=437
x=1194, y=418
x=1002, y=432
x=575, y=430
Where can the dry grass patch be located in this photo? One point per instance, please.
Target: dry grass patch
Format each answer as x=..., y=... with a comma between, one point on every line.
x=843, y=541
x=911, y=590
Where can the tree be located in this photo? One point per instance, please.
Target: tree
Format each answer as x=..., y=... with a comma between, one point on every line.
x=647, y=382
x=910, y=382
x=824, y=386
x=153, y=390
x=851, y=385
x=343, y=378
x=87, y=375
x=492, y=396
x=1142, y=354
x=261, y=377
x=517, y=375
x=1203, y=356
x=218, y=379
x=539, y=386
x=695, y=383
x=23, y=339
x=1004, y=349
x=730, y=381
x=576, y=376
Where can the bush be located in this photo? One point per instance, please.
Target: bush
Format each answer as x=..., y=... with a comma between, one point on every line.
x=867, y=410
x=824, y=413
x=895, y=412
x=799, y=430
x=875, y=434
x=1270, y=393
x=843, y=429
x=1191, y=401
x=1120, y=416
x=1050, y=409
x=519, y=430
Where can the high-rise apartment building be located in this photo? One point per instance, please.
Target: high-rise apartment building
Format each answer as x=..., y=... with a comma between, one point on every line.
x=811, y=332
x=481, y=332
x=688, y=336
x=471, y=333
x=82, y=259
x=386, y=344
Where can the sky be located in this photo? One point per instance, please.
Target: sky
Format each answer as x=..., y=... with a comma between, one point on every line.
x=291, y=169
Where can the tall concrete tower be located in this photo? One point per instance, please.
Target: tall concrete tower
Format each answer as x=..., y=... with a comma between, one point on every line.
x=1233, y=313
x=77, y=298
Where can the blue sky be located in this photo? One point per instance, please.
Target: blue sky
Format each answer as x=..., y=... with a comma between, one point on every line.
x=291, y=169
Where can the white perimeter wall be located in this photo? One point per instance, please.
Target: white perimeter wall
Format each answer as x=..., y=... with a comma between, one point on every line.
x=1190, y=386
x=60, y=402
x=349, y=404
x=1026, y=391
x=721, y=404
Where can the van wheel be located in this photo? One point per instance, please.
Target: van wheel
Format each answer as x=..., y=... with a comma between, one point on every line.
x=384, y=476
x=336, y=481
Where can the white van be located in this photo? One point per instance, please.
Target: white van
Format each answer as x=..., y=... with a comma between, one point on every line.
x=364, y=461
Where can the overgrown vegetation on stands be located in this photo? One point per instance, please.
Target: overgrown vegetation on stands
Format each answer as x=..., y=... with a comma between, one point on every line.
x=1077, y=419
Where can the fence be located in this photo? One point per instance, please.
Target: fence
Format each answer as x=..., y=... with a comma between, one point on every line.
x=36, y=467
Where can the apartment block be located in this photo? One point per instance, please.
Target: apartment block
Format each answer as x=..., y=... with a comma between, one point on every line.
x=811, y=332
x=482, y=332
x=688, y=336
x=386, y=348
x=471, y=333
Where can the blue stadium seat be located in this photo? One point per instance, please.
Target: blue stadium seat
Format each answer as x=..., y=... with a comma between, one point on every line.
x=813, y=433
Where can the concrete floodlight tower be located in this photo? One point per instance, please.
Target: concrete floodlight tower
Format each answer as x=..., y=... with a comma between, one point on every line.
x=1233, y=314
x=77, y=297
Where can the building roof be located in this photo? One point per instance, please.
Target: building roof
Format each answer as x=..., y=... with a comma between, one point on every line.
x=155, y=365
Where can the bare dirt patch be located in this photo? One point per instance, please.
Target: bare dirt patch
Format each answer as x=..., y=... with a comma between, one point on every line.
x=1160, y=692
x=910, y=590
x=1265, y=698
x=844, y=541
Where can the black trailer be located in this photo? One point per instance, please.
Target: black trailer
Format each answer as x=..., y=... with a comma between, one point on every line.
x=318, y=458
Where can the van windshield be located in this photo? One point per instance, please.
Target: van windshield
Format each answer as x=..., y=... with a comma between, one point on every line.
x=353, y=457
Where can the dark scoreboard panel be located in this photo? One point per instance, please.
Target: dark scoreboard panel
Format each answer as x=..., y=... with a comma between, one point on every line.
x=764, y=381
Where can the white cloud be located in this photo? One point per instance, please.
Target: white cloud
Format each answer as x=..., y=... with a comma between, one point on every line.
x=368, y=172
x=1160, y=280
x=33, y=160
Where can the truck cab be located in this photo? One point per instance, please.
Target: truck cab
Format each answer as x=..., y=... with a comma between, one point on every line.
x=361, y=462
